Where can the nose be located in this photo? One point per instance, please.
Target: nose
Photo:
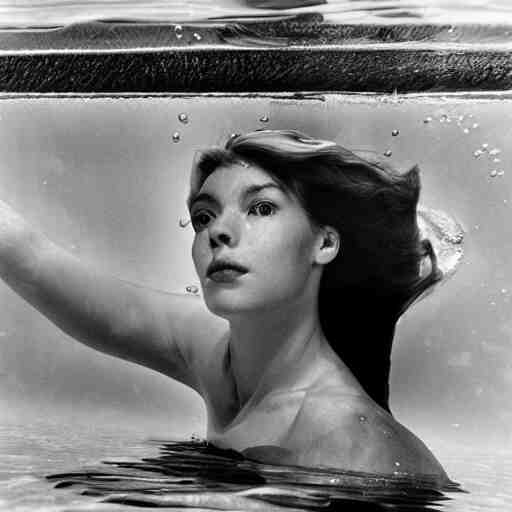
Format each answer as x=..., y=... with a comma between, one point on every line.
x=224, y=230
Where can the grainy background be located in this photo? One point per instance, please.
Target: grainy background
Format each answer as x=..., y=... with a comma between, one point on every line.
x=103, y=177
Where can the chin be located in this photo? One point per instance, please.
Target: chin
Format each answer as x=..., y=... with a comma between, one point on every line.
x=227, y=303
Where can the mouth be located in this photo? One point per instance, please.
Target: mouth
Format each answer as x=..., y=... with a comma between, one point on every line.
x=222, y=271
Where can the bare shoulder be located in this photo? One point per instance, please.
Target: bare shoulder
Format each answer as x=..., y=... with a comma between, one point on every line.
x=197, y=330
x=352, y=432
x=185, y=332
x=196, y=327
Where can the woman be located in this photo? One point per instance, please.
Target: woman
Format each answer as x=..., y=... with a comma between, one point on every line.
x=307, y=255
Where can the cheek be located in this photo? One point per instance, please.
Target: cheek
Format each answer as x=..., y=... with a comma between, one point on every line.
x=198, y=253
x=285, y=255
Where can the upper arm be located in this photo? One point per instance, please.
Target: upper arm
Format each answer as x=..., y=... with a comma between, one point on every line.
x=169, y=332
x=164, y=331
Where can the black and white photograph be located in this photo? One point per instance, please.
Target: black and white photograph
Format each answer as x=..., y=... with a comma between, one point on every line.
x=254, y=255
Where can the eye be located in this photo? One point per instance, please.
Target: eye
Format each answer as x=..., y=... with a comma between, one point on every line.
x=200, y=219
x=263, y=209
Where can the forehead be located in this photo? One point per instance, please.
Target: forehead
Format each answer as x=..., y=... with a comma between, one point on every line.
x=235, y=177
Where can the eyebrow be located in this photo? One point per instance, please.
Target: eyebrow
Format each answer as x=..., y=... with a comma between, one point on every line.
x=248, y=191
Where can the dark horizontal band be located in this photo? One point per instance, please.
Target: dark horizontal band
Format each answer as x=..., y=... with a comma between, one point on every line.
x=298, y=54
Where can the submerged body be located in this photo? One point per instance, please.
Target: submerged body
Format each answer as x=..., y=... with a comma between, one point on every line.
x=319, y=418
x=255, y=346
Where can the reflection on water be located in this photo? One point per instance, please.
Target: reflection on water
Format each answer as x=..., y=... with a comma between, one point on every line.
x=191, y=475
x=197, y=474
x=52, y=13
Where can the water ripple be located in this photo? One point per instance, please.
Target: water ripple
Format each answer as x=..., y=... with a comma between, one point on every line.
x=196, y=474
x=52, y=13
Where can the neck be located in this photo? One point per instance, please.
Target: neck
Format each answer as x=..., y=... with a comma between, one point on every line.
x=275, y=349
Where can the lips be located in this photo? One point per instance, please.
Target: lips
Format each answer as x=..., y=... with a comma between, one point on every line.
x=225, y=271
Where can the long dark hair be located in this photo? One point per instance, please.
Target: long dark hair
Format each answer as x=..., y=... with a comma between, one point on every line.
x=376, y=275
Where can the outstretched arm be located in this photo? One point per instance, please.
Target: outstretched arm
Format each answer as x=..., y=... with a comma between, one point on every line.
x=156, y=329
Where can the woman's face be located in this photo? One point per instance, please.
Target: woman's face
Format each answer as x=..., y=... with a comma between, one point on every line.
x=244, y=216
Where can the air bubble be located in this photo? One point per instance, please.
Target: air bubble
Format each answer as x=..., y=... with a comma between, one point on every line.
x=466, y=130
x=427, y=120
x=176, y=137
x=179, y=36
x=234, y=136
x=485, y=146
x=362, y=419
x=192, y=289
x=197, y=36
x=388, y=152
x=397, y=464
x=478, y=153
x=493, y=173
x=501, y=173
x=183, y=223
x=183, y=118
x=264, y=119
x=475, y=125
x=178, y=28
x=395, y=133
x=495, y=151
x=334, y=481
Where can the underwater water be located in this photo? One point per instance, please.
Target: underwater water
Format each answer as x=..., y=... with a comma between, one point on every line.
x=106, y=177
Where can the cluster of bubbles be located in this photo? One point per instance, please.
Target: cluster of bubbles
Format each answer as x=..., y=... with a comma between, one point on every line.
x=394, y=133
x=182, y=118
x=492, y=155
x=466, y=123
x=178, y=32
x=192, y=289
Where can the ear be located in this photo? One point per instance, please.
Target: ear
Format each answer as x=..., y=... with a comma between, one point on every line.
x=328, y=245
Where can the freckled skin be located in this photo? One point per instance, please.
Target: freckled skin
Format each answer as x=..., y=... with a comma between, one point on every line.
x=265, y=243
x=323, y=427
x=352, y=432
x=322, y=417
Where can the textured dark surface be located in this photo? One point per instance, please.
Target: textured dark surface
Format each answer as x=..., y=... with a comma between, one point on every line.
x=297, y=54
x=257, y=70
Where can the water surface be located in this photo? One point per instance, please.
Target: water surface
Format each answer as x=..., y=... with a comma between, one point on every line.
x=47, y=467
x=51, y=13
